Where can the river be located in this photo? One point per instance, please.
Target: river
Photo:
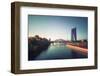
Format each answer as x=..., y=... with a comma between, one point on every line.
x=59, y=51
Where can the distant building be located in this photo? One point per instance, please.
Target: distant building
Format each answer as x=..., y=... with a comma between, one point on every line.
x=73, y=34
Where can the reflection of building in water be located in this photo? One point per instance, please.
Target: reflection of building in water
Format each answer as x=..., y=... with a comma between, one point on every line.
x=73, y=34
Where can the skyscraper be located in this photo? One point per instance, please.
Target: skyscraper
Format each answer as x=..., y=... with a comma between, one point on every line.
x=73, y=34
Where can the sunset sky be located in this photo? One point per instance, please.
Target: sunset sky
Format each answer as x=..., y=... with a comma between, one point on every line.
x=57, y=27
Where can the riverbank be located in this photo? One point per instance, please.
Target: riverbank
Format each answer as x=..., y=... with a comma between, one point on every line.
x=78, y=49
x=36, y=45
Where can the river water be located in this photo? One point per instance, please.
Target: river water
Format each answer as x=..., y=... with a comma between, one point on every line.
x=59, y=52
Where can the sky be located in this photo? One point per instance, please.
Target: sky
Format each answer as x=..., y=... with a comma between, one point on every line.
x=57, y=27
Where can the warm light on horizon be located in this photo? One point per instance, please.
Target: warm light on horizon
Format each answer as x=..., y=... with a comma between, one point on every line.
x=47, y=37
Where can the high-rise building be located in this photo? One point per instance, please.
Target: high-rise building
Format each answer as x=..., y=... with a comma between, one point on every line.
x=73, y=34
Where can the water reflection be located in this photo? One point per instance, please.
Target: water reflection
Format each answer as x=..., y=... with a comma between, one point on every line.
x=59, y=51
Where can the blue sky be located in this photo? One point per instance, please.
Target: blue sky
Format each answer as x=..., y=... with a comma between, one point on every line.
x=57, y=27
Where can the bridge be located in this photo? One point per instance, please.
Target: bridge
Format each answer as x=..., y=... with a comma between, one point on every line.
x=59, y=42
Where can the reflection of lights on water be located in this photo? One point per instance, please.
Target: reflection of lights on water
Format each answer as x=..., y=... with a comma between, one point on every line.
x=78, y=48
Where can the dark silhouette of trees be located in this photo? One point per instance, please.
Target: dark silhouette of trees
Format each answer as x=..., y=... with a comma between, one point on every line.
x=36, y=45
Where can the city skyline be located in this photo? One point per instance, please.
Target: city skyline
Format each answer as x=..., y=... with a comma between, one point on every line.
x=57, y=27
